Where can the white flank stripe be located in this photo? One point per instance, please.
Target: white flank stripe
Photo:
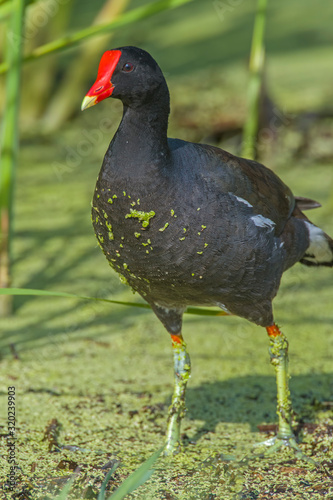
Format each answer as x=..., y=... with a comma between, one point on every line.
x=241, y=200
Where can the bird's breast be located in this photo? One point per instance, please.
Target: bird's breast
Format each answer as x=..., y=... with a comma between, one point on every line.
x=147, y=235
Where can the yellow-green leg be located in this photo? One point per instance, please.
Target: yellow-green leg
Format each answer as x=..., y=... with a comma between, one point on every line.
x=182, y=369
x=278, y=351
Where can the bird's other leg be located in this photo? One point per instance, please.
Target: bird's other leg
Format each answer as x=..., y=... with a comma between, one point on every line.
x=172, y=320
x=182, y=372
x=278, y=351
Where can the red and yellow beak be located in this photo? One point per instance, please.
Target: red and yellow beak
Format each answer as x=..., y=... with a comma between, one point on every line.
x=103, y=86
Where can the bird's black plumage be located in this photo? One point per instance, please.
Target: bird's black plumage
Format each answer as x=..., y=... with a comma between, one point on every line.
x=190, y=224
x=223, y=229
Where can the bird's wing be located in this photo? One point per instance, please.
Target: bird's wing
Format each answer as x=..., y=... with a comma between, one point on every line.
x=253, y=182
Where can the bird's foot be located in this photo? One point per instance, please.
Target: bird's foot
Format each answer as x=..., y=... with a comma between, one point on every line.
x=171, y=449
x=275, y=443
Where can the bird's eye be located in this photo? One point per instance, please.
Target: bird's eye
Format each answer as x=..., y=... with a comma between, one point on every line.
x=128, y=67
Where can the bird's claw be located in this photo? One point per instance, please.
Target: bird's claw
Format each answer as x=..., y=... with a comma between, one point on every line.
x=277, y=442
x=171, y=450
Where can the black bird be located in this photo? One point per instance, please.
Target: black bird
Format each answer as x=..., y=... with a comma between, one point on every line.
x=191, y=224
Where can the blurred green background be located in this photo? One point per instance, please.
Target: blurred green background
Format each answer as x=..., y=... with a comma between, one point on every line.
x=105, y=372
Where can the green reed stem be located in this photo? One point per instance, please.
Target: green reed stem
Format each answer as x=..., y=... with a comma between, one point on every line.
x=9, y=141
x=256, y=66
x=129, y=17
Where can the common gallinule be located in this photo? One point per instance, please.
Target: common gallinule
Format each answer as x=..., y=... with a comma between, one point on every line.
x=190, y=224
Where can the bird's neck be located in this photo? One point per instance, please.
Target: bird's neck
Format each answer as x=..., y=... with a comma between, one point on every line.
x=141, y=139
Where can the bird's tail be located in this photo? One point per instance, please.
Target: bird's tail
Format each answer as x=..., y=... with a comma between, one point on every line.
x=320, y=249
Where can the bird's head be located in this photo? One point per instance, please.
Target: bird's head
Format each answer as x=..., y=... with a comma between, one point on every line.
x=127, y=73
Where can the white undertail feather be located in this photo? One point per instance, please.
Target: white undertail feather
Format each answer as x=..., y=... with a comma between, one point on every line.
x=319, y=250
